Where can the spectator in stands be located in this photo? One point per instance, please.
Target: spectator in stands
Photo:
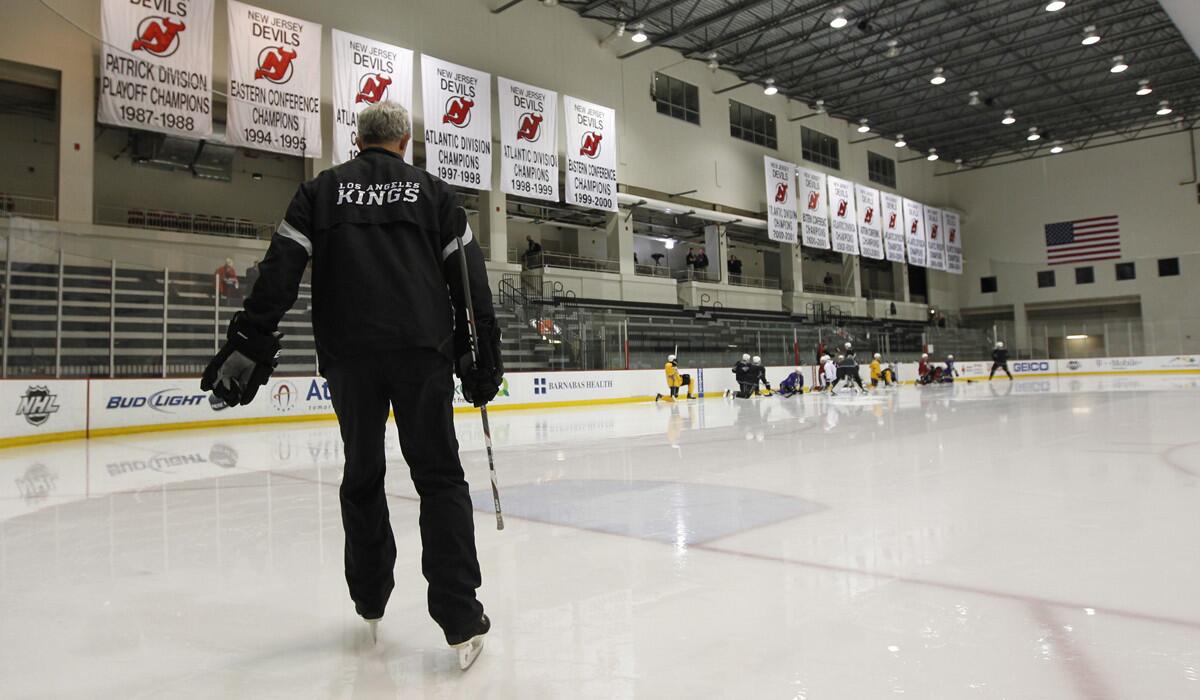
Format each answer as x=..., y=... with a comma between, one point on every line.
x=828, y=281
x=227, y=280
x=691, y=259
x=735, y=269
x=702, y=263
x=532, y=251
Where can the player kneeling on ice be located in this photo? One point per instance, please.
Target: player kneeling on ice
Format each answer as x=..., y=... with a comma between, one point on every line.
x=830, y=373
x=746, y=376
x=390, y=319
x=674, y=381
x=876, y=370
x=760, y=376
x=889, y=373
x=924, y=371
x=950, y=372
x=793, y=384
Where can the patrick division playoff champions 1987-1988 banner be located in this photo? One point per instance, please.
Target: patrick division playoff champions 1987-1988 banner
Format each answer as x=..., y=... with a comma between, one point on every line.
x=366, y=72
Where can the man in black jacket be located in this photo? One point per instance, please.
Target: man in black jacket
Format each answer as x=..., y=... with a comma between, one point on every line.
x=1000, y=360
x=387, y=242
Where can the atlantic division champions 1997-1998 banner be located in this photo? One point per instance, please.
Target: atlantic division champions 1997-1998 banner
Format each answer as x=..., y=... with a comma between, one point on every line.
x=781, y=200
x=274, y=82
x=591, y=154
x=893, y=226
x=528, y=140
x=842, y=218
x=458, y=123
x=366, y=72
x=156, y=66
x=814, y=210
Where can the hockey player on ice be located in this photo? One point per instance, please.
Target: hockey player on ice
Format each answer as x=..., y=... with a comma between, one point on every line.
x=746, y=377
x=830, y=373
x=793, y=384
x=674, y=381
x=923, y=369
x=848, y=369
x=1000, y=361
x=760, y=375
x=950, y=372
x=876, y=370
x=390, y=324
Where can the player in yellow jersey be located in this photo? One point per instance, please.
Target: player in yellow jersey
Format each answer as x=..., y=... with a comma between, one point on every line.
x=674, y=381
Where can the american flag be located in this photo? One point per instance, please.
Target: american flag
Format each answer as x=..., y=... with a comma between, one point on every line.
x=1098, y=238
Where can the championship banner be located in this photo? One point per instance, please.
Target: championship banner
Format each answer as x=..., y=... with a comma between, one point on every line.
x=781, y=200
x=591, y=155
x=954, y=258
x=814, y=218
x=274, y=82
x=893, y=226
x=366, y=72
x=458, y=123
x=156, y=66
x=870, y=222
x=936, y=251
x=914, y=236
x=842, y=217
x=528, y=140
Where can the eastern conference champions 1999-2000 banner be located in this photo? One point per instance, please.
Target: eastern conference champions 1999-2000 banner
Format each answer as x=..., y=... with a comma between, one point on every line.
x=156, y=66
x=591, y=154
x=366, y=72
x=814, y=217
x=458, y=123
x=781, y=200
x=528, y=140
x=274, y=82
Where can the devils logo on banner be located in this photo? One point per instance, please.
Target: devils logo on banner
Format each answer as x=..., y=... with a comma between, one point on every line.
x=914, y=232
x=814, y=212
x=893, y=226
x=458, y=123
x=274, y=82
x=366, y=72
x=842, y=216
x=781, y=200
x=870, y=222
x=591, y=154
x=528, y=140
x=954, y=257
x=156, y=66
x=936, y=248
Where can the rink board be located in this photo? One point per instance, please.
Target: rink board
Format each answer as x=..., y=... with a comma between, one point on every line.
x=45, y=410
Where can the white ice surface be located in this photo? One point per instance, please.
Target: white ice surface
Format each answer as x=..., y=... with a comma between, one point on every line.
x=1031, y=540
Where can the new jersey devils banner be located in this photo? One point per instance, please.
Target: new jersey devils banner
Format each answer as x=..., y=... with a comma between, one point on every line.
x=870, y=222
x=274, y=82
x=591, y=154
x=893, y=227
x=936, y=250
x=365, y=72
x=458, y=123
x=814, y=217
x=156, y=66
x=781, y=200
x=528, y=140
x=842, y=219
x=914, y=232
x=954, y=259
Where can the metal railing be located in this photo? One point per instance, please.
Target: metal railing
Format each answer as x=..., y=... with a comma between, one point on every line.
x=28, y=207
x=885, y=294
x=693, y=275
x=570, y=262
x=756, y=282
x=827, y=290
x=652, y=271
x=134, y=217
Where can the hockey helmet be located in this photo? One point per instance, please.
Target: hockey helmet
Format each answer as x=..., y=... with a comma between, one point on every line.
x=746, y=357
x=999, y=344
x=878, y=356
x=757, y=360
x=670, y=358
x=849, y=345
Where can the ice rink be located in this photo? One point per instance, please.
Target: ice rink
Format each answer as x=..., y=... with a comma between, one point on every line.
x=1036, y=539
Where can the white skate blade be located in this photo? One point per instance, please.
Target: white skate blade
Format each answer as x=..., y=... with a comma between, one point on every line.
x=468, y=651
x=373, y=626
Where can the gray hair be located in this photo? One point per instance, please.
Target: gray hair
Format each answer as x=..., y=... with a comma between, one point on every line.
x=384, y=122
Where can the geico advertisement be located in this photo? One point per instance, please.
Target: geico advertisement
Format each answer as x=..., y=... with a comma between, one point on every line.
x=42, y=406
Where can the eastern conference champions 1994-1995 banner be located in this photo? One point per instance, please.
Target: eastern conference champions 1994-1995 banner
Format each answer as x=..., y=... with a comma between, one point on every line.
x=458, y=123
x=366, y=72
x=528, y=140
x=914, y=232
x=935, y=251
x=842, y=217
x=781, y=200
x=274, y=82
x=156, y=66
x=591, y=154
x=814, y=216
x=954, y=259
x=893, y=226
x=870, y=220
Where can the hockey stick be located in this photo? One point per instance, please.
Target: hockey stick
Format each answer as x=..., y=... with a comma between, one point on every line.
x=487, y=428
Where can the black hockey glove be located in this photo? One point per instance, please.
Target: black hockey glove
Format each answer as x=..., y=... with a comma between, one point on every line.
x=244, y=363
x=481, y=379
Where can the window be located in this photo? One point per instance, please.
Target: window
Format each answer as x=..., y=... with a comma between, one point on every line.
x=1085, y=275
x=1126, y=271
x=1168, y=267
x=753, y=125
x=881, y=169
x=1046, y=279
x=819, y=148
x=676, y=98
x=987, y=285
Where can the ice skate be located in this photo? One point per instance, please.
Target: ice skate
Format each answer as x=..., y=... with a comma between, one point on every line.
x=373, y=627
x=470, y=645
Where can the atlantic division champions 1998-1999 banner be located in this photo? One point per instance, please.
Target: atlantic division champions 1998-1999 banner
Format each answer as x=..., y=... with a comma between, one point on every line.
x=842, y=216
x=591, y=154
x=458, y=123
x=156, y=66
x=528, y=140
x=781, y=200
x=274, y=82
x=893, y=226
x=366, y=72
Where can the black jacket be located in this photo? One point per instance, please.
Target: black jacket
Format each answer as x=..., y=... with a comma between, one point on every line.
x=745, y=373
x=1000, y=356
x=386, y=266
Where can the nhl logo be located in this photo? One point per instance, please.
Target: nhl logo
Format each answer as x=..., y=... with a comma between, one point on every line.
x=158, y=36
x=37, y=405
x=275, y=64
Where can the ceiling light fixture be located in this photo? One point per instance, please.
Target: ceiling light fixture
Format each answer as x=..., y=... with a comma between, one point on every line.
x=1118, y=65
x=1057, y=148
x=893, y=49
x=639, y=34
x=1008, y=119
x=974, y=101
x=933, y=155
x=958, y=164
x=1164, y=108
x=900, y=142
x=839, y=18
x=1055, y=6
x=1033, y=134
x=862, y=126
x=1090, y=36
x=770, y=89
x=1144, y=88
x=939, y=76
x=819, y=106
